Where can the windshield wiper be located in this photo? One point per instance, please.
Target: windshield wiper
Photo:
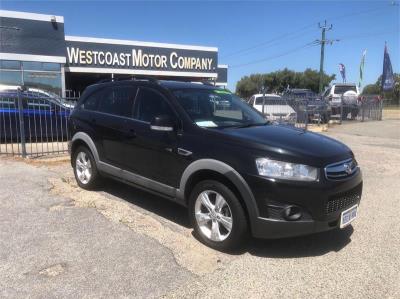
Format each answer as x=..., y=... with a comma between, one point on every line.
x=252, y=125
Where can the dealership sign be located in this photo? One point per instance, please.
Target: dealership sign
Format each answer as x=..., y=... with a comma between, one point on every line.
x=137, y=57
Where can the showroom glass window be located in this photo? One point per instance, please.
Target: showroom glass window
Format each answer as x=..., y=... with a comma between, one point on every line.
x=10, y=72
x=41, y=75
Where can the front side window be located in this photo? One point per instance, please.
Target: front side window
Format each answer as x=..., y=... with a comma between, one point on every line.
x=149, y=104
x=213, y=108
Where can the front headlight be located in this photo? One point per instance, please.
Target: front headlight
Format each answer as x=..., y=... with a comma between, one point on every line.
x=285, y=170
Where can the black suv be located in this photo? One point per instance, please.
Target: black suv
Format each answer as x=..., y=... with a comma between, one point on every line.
x=204, y=148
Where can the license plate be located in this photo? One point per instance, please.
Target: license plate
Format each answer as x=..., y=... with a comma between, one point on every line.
x=348, y=216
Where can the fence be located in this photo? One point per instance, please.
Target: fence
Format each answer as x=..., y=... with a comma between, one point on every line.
x=290, y=110
x=308, y=110
x=33, y=123
x=365, y=108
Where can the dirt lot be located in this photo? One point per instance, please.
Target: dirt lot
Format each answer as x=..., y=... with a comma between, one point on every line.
x=57, y=240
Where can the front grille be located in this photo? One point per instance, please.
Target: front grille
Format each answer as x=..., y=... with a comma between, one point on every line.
x=343, y=200
x=341, y=170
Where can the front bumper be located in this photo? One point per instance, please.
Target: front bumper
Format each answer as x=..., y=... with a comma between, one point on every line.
x=320, y=203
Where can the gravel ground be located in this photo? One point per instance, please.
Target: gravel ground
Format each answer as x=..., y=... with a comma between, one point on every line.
x=57, y=240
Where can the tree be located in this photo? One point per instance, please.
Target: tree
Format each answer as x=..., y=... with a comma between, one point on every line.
x=371, y=89
x=393, y=96
x=278, y=81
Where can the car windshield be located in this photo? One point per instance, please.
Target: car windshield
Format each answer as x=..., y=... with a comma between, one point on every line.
x=217, y=108
x=341, y=89
x=270, y=101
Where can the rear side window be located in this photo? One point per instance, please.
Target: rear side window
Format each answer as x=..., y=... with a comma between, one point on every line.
x=150, y=103
x=92, y=101
x=116, y=100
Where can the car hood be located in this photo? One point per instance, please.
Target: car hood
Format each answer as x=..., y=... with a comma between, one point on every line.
x=291, y=144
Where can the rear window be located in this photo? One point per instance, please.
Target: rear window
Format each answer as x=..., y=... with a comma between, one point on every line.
x=270, y=101
x=341, y=89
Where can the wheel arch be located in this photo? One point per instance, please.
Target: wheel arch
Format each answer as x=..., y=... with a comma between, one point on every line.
x=84, y=139
x=213, y=169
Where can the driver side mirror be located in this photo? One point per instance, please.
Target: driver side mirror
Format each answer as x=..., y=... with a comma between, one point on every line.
x=162, y=123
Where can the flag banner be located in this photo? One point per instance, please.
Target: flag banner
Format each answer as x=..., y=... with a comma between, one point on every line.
x=342, y=70
x=387, y=74
x=362, y=67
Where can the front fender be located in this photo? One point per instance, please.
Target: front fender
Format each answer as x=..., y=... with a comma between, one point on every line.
x=227, y=171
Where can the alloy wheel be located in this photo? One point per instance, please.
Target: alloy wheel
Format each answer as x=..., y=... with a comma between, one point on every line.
x=213, y=215
x=83, y=168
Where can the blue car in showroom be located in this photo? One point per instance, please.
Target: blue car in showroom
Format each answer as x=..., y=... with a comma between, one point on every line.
x=45, y=115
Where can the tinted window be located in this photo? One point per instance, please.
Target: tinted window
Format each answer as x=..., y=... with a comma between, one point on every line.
x=341, y=89
x=149, y=104
x=113, y=100
x=92, y=101
x=117, y=100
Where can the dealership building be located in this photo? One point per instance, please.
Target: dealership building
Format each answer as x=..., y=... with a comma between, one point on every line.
x=35, y=52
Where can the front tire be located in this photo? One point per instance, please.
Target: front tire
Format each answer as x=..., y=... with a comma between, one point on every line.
x=85, y=169
x=217, y=216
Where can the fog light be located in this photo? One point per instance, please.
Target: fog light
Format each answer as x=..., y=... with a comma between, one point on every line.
x=291, y=213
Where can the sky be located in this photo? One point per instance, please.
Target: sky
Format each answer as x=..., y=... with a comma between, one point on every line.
x=251, y=36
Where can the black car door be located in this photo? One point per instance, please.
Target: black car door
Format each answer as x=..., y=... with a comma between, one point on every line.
x=114, y=108
x=152, y=154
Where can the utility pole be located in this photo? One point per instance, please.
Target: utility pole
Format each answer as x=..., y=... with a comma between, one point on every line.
x=323, y=41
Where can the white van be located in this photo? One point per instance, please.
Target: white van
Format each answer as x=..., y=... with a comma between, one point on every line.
x=275, y=108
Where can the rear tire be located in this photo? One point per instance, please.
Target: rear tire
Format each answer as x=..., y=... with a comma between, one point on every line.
x=85, y=168
x=217, y=216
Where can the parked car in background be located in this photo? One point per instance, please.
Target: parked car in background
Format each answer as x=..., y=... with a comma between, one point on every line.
x=344, y=99
x=273, y=107
x=45, y=114
x=309, y=106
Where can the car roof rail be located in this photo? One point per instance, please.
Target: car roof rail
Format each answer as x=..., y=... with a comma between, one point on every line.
x=207, y=82
x=134, y=78
x=144, y=78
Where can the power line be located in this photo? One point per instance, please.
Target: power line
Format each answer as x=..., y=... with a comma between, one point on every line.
x=273, y=41
x=274, y=56
x=368, y=35
x=279, y=39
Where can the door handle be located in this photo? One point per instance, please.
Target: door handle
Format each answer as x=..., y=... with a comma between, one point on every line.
x=184, y=152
